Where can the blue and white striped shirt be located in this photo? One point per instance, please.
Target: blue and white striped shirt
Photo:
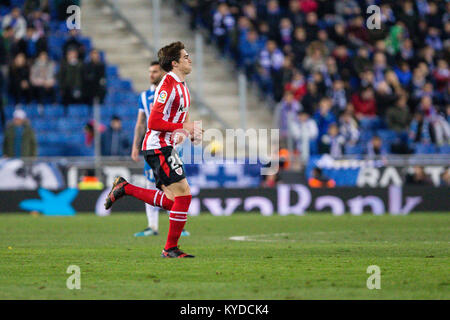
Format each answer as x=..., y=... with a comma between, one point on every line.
x=146, y=100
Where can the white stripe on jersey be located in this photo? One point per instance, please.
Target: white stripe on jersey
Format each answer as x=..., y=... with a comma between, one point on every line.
x=168, y=105
x=145, y=99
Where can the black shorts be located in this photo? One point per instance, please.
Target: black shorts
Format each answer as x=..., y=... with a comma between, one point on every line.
x=166, y=165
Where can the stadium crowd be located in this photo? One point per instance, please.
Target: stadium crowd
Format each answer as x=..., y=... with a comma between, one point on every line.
x=355, y=90
x=36, y=70
x=30, y=75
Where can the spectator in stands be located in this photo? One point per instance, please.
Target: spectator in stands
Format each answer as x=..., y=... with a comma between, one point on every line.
x=94, y=79
x=19, y=83
x=311, y=25
x=322, y=36
x=319, y=180
x=31, y=44
x=418, y=177
x=445, y=178
x=385, y=97
x=287, y=72
x=365, y=103
x=299, y=45
x=347, y=8
x=362, y=61
x=332, y=142
x=398, y=117
x=20, y=139
x=39, y=20
x=249, y=49
x=357, y=32
x=315, y=58
x=323, y=116
x=43, y=79
x=238, y=35
x=348, y=128
x=272, y=14
x=16, y=21
x=304, y=129
x=441, y=75
x=114, y=140
x=73, y=42
x=344, y=62
x=270, y=61
x=339, y=97
x=297, y=85
x=285, y=32
x=287, y=107
x=421, y=131
x=223, y=23
x=311, y=98
x=70, y=79
x=7, y=49
x=404, y=73
x=376, y=147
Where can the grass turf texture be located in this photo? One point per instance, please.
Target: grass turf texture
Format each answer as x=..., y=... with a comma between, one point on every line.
x=316, y=256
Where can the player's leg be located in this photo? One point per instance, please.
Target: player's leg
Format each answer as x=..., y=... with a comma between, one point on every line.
x=169, y=194
x=177, y=218
x=153, y=197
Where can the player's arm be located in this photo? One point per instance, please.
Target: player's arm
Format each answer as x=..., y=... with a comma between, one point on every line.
x=139, y=132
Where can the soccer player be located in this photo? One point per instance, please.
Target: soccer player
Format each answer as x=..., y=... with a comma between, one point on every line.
x=145, y=105
x=170, y=115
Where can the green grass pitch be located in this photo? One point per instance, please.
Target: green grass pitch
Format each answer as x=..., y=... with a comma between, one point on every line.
x=316, y=256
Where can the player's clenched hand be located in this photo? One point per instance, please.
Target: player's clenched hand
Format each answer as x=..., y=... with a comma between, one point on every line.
x=189, y=127
x=198, y=133
x=135, y=154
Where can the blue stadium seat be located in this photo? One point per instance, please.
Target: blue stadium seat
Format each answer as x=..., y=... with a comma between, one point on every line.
x=87, y=43
x=31, y=110
x=4, y=11
x=445, y=149
x=79, y=110
x=356, y=149
x=425, y=148
x=53, y=111
x=17, y=3
x=112, y=71
x=366, y=135
x=55, y=46
x=387, y=135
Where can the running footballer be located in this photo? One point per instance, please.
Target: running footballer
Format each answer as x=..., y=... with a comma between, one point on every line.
x=169, y=115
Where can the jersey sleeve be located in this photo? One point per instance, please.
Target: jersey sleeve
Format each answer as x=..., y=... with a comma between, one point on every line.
x=140, y=104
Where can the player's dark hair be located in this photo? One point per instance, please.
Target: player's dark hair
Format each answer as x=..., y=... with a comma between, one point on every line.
x=170, y=53
x=154, y=63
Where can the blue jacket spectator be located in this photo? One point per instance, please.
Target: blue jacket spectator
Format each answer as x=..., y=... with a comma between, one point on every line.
x=114, y=140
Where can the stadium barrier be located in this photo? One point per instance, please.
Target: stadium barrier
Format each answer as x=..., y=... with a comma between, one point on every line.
x=284, y=199
x=61, y=173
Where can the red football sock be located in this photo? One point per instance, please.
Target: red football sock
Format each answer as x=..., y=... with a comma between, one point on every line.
x=153, y=197
x=177, y=220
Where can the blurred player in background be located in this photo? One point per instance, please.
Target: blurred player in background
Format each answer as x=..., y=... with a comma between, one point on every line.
x=145, y=106
x=168, y=125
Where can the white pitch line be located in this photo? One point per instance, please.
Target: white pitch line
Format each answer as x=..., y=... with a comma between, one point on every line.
x=252, y=237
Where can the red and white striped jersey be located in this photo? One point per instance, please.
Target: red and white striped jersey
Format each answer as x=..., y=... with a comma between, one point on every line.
x=172, y=100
